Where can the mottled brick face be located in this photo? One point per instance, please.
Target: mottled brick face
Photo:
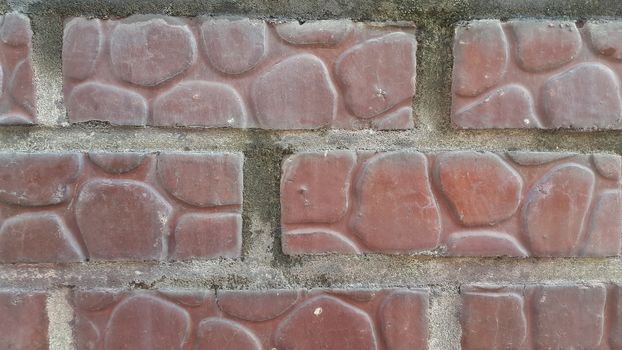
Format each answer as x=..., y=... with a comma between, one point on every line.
x=69, y=207
x=540, y=317
x=224, y=72
x=23, y=320
x=544, y=74
x=459, y=203
x=233, y=320
x=17, y=90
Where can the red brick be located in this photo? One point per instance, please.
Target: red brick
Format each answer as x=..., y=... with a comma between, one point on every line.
x=17, y=95
x=537, y=317
x=545, y=74
x=23, y=320
x=461, y=203
x=272, y=319
x=228, y=72
x=119, y=206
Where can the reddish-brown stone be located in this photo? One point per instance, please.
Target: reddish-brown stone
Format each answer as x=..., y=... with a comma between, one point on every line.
x=387, y=319
x=237, y=72
x=522, y=317
x=515, y=204
x=195, y=179
x=545, y=45
x=17, y=90
x=569, y=317
x=68, y=207
x=208, y=236
x=315, y=187
x=327, y=33
x=493, y=321
x=480, y=187
x=23, y=320
x=546, y=78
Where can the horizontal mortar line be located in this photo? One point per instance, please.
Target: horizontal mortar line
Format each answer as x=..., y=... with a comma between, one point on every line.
x=346, y=272
x=80, y=138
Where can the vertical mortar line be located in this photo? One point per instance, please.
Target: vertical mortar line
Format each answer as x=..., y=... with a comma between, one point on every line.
x=48, y=77
x=261, y=209
x=60, y=317
x=443, y=318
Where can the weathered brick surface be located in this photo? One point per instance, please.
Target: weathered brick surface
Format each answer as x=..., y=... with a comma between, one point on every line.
x=541, y=317
x=457, y=203
x=241, y=73
x=68, y=207
x=17, y=90
x=23, y=320
x=537, y=74
x=275, y=319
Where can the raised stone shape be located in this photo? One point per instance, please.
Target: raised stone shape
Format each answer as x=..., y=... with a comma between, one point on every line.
x=312, y=326
x=117, y=162
x=378, y=73
x=200, y=103
x=480, y=57
x=285, y=99
x=222, y=334
x=555, y=209
x=15, y=30
x=37, y=179
x=398, y=120
x=493, y=321
x=234, y=46
x=484, y=243
x=608, y=166
x=122, y=220
x=395, y=210
x=208, y=236
x=510, y=106
x=316, y=241
x=606, y=38
x=147, y=322
x=21, y=86
x=37, y=238
x=545, y=45
x=585, y=96
x=23, y=320
x=109, y=103
x=203, y=180
x=151, y=52
x=480, y=187
x=315, y=186
x=536, y=158
x=82, y=44
x=403, y=316
x=569, y=317
x=257, y=306
x=327, y=32
x=605, y=225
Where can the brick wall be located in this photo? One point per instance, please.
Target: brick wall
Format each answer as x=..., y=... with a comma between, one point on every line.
x=310, y=175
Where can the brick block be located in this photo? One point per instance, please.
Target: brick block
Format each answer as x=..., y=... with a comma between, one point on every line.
x=275, y=319
x=239, y=73
x=17, y=89
x=537, y=317
x=71, y=207
x=23, y=320
x=545, y=74
x=461, y=203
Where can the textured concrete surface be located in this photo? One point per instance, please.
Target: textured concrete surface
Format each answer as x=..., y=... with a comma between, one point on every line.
x=263, y=265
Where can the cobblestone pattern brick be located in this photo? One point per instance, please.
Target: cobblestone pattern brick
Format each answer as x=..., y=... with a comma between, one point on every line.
x=541, y=317
x=240, y=73
x=23, y=320
x=545, y=74
x=70, y=207
x=236, y=320
x=460, y=203
x=17, y=89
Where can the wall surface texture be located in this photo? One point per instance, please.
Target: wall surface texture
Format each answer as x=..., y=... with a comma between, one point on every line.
x=307, y=174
